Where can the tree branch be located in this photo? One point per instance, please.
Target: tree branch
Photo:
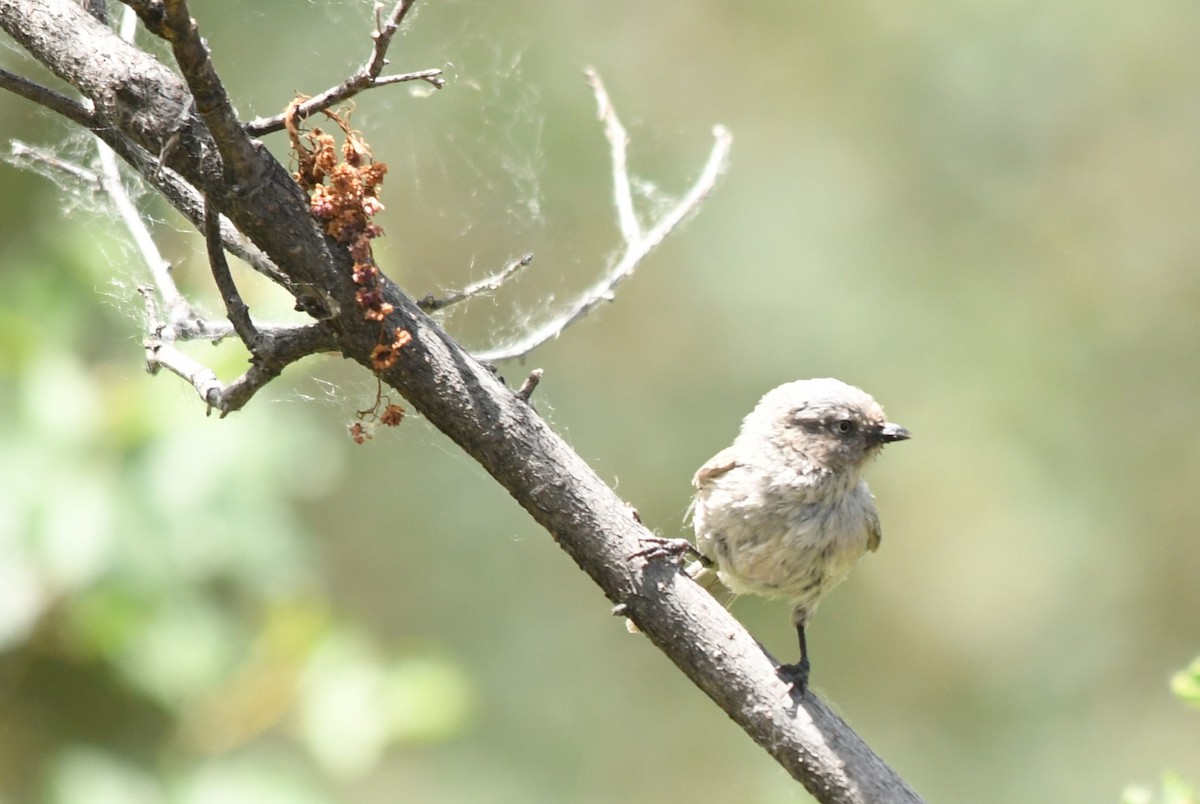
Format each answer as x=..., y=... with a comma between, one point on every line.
x=239, y=313
x=276, y=348
x=28, y=156
x=239, y=153
x=46, y=97
x=454, y=391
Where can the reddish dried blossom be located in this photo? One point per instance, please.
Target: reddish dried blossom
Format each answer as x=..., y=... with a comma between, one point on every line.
x=365, y=273
x=360, y=249
x=359, y=433
x=371, y=207
x=379, y=313
x=403, y=338
x=368, y=297
x=344, y=197
x=383, y=357
x=392, y=415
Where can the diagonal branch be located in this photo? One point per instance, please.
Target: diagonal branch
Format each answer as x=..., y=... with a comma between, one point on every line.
x=44, y=96
x=239, y=153
x=638, y=244
x=365, y=77
x=42, y=161
x=177, y=307
x=188, y=201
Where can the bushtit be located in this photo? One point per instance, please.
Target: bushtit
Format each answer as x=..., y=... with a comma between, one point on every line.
x=783, y=512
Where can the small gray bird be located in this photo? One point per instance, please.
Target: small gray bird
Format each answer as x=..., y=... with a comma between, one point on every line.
x=783, y=512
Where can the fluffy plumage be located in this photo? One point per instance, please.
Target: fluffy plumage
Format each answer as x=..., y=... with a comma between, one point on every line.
x=783, y=512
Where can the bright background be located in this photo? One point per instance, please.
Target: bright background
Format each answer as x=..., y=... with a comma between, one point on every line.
x=983, y=213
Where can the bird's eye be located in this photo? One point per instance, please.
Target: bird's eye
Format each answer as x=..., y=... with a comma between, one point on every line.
x=843, y=426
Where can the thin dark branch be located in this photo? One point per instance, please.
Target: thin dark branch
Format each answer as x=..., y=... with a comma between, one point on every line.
x=185, y=198
x=276, y=350
x=151, y=14
x=430, y=75
x=365, y=77
x=239, y=313
x=98, y=9
x=239, y=153
x=44, y=96
x=351, y=87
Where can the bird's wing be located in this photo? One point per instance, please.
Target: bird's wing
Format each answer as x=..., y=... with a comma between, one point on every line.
x=714, y=467
x=874, y=531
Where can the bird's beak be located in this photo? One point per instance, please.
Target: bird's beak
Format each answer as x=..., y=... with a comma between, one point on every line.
x=892, y=432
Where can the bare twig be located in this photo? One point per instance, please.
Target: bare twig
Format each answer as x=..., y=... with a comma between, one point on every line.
x=184, y=197
x=44, y=96
x=276, y=349
x=531, y=383
x=239, y=313
x=365, y=77
x=618, y=141
x=42, y=161
x=110, y=181
x=486, y=285
x=176, y=306
x=384, y=31
x=271, y=349
x=637, y=244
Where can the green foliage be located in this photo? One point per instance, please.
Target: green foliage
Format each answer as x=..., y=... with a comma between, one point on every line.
x=1173, y=789
x=153, y=556
x=1186, y=683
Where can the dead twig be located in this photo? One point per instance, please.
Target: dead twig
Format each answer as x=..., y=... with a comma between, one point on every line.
x=638, y=243
x=365, y=77
x=488, y=284
x=531, y=382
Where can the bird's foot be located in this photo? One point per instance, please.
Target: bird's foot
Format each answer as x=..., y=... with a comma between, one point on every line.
x=796, y=675
x=658, y=547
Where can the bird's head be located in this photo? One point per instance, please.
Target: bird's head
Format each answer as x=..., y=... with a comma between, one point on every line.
x=832, y=426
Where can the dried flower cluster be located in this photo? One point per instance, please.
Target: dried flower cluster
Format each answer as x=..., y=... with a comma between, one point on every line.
x=344, y=196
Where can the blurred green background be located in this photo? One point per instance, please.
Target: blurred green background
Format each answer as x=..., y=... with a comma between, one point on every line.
x=982, y=213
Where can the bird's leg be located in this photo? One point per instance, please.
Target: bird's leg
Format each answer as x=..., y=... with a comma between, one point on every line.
x=797, y=674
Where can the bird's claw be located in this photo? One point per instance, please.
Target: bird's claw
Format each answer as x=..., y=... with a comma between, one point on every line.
x=796, y=675
x=672, y=549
